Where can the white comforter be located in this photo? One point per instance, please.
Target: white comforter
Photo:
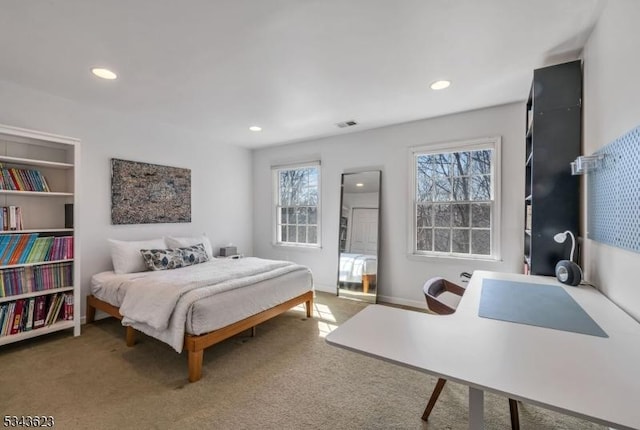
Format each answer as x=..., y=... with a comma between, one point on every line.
x=158, y=304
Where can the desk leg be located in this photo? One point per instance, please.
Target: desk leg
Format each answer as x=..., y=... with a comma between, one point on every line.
x=476, y=409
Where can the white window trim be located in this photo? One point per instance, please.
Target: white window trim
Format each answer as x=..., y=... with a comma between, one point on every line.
x=274, y=205
x=494, y=143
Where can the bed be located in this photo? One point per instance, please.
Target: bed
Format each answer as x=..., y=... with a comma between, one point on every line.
x=194, y=307
x=358, y=269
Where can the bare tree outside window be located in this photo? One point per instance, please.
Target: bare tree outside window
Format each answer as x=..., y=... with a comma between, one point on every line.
x=454, y=202
x=297, y=206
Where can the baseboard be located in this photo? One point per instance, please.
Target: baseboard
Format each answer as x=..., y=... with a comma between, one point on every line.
x=99, y=316
x=325, y=288
x=420, y=304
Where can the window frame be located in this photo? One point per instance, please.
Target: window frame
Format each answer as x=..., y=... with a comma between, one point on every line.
x=275, y=189
x=493, y=143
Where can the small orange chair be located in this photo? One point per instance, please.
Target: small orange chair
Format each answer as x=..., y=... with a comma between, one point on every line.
x=432, y=289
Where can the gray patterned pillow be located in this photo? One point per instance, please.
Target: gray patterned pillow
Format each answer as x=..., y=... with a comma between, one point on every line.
x=174, y=258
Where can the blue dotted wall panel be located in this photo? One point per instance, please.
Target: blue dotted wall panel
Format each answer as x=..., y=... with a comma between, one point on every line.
x=614, y=194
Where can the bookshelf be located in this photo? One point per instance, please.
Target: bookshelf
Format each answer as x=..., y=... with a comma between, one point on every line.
x=39, y=257
x=552, y=142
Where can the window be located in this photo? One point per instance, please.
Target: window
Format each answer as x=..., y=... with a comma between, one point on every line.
x=455, y=198
x=297, y=205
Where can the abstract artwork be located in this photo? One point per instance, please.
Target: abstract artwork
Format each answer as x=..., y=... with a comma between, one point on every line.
x=143, y=193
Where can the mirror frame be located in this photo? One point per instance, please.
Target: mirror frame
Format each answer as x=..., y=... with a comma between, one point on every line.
x=362, y=296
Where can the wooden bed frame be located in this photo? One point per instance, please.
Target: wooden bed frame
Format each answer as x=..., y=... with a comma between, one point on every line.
x=196, y=344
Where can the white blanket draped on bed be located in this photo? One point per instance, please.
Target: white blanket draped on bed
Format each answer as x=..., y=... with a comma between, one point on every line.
x=158, y=304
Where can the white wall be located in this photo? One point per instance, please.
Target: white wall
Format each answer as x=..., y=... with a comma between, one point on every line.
x=220, y=175
x=386, y=149
x=611, y=108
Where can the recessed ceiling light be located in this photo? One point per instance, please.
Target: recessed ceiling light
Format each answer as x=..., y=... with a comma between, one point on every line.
x=255, y=128
x=440, y=85
x=104, y=73
x=359, y=184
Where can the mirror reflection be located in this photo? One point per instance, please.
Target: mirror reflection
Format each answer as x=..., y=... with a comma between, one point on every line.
x=358, y=240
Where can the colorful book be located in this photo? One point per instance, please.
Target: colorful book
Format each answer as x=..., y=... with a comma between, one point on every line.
x=19, y=223
x=3, y=312
x=55, y=307
x=28, y=247
x=35, y=249
x=17, y=317
x=8, y=181
x=68, y=306
x=40, y=250
x=6, y=325
x=30, y=309
x=9, y=247
x=14, y=181
x=4, y=240
x=33, y=180
x=51, y=304
x=12, y=221
x=45, y=185
x=19, y=249
x=40, y=311
x=26, y=178
x=48, y=248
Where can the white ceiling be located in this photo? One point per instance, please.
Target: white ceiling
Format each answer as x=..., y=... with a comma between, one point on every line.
x=370, y=182
x=293, y=67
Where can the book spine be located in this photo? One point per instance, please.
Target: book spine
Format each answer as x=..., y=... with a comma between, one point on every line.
x=28, y=247
x=11, y=244
x=54, y=309
x=17, y=251
x=13, y=222
x=16, y=182
x=4, y=240
x=39, y=311
x=19, y=223
x=28, y=174
x=24, y=179
x=3, y=314
x=17, y=317
x=45, y=185
x=6, y=326
x=35, y=179
x=68, y=307
x=5, y=180
x=31, y=308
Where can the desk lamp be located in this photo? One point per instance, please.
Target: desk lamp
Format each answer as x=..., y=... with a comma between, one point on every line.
x=567, y=271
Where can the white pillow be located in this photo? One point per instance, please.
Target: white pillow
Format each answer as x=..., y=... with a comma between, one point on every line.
x=126, y=256
x=181, y=242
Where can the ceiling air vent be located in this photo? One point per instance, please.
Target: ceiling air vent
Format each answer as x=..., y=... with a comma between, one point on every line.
x=346, y=124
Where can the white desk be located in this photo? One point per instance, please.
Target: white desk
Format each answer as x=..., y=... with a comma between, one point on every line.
x=587, y=376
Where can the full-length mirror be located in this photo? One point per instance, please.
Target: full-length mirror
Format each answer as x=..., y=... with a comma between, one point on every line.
x=358, y=240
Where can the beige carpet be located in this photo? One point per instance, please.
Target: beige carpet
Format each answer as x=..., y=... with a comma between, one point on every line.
x=286, y=377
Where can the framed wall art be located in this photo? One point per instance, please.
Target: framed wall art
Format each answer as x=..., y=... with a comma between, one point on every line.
x=143, y=193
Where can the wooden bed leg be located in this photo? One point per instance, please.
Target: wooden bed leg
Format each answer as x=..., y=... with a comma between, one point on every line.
x=91, y=312
x=309, y=306
x=195, y=365
x=253, y=331
x=130, y=336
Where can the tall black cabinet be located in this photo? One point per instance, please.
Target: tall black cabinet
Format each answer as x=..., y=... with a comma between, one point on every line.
x=553, y=137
